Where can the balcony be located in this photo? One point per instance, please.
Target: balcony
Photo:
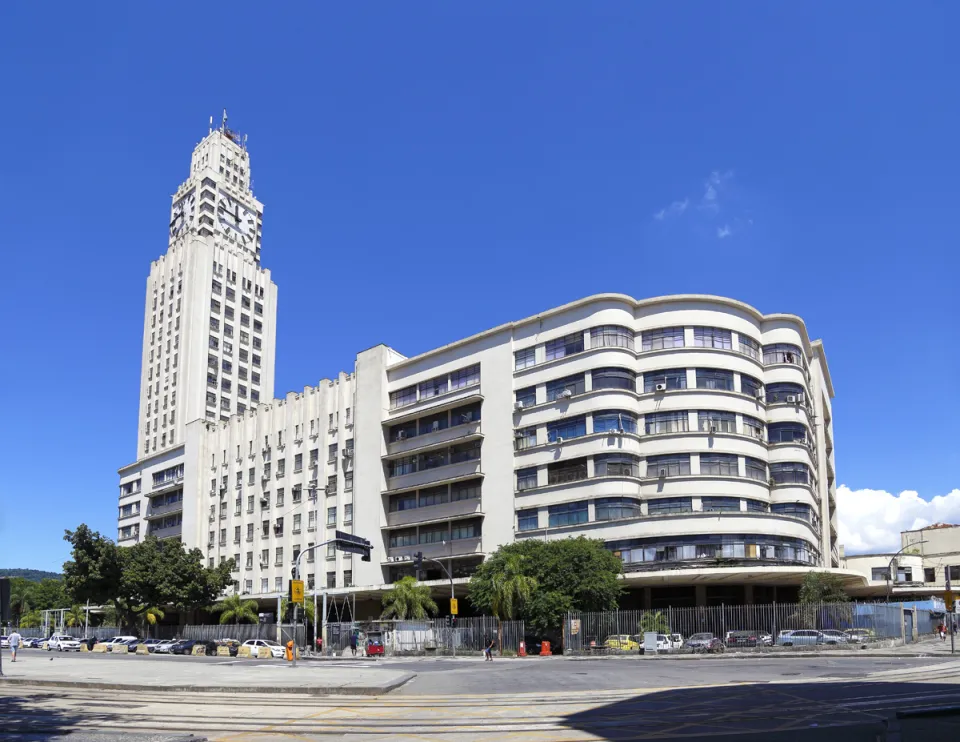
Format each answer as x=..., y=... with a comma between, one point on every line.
x=444, y=511
x=453, y=434
x=167, y=532
x=437, y=403
x=165, y=486
x=458, y=548
x=165, y=509
x=438, y=475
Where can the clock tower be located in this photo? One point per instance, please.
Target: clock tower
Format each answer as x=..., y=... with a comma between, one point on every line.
x=210, y=315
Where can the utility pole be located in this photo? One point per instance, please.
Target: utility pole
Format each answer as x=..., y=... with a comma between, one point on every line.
x=949, y=605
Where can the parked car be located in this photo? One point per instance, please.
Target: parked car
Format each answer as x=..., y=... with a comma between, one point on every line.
x=860, y=636
x=704, y=642
x=832, y=636
x=233, y=645
x=275, y=649
x=63, y=643
x=622, y=643
x=90, y=641
x=33, y=642
x=164, y=646
x=665, y=643
x=185, y=646
x=742, y=639
x=120, y=640
x=766, y=640
x=4, y=642
x=801, y=637
x=782, y=634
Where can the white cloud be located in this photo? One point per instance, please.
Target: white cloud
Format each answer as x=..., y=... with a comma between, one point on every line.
x=724, y=231
x=674, y=209
x=871, y=520
x=714, y=185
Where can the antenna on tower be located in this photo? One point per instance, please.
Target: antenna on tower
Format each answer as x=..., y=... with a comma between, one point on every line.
x=210, y=130
x=244, y=141
x=223, y=124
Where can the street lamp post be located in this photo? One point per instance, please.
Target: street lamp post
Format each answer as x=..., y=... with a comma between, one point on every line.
x=449, y=573
x=893, y=559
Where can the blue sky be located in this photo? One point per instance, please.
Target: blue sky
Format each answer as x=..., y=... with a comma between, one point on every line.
x=458, y=165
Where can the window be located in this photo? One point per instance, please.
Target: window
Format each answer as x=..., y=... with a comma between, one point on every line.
x=332, y=453
x=278, y=559
x=611, y=336
x=752, y=427
x=879, y=574
x=671, y=465
x=718, y=464
x=673, y=378
x=401, y=466
x=756, y=506
x=526, y=397
x=568, y=514
x=794, y=509
x=616, y=508
x=298, y=462
x=954, y=573
x=567, y=428
x=755, y=469
x=463, y=452
x=433, y=423
x=464, y=529
x=348, y=481
x=786, y=433
x=331, y=488
x=748, y=346
x=332, y=516
x=782, y=353
x=720, y=504
x=666, y=422
x=526, y=478
x=467, y=414
x=403, y=397
x=784, y=393
x=565, y=346
x=404, y=430
x=712, y=337
x=786, y=472
x=670, y=506
x=524, y=358
x=468, y=490
x=614, y=421
x=214, y=324
x=433, y=534
x=348, y=513
x=312, y=520
x=713, y=378
x=433, y=387
x=528, y=520
x=716, y=421
x=666, y=337
x=616, y=465
x=614, y=378
x=566, y=387
x=406, y=501
x=331, y=579
x=751, y=387
x=929, y=574
x=464, y=377
x=434, y=496
x=297, y=520
x=567, y=471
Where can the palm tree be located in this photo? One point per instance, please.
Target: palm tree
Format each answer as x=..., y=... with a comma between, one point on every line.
x=234, y=609
x=75, y=616
x=306, y=608
x=511, y=588
x=408, y=600
x=31, y=619
x=654, y=622
x=151, y=616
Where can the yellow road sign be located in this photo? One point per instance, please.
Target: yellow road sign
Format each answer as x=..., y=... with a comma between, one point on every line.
x=948, y=599
x=296, y=591
x=453, y=606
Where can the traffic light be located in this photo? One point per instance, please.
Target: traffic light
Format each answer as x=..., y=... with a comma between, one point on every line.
x=418, y=563
x=449, y=621
x=453, y=622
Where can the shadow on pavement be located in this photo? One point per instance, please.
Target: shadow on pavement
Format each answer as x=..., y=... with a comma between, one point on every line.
x=788, y=712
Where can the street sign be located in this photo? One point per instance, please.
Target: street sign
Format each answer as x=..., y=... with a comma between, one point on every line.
x=352, y=544
x=575, y=626
x=453, y=606
x=296, y=591
x=343, y=536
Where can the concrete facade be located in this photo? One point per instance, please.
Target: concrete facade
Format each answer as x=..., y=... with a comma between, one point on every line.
x=692, y=434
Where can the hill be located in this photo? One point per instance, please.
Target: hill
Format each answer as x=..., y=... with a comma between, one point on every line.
x=34, y=575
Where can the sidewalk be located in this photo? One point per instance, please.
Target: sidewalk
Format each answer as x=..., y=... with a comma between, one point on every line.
x=77, y=671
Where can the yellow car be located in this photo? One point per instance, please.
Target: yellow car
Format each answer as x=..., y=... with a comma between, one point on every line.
x=622, y=642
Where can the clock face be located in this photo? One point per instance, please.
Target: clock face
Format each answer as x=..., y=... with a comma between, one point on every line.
x=182, y=214
x=235, y=216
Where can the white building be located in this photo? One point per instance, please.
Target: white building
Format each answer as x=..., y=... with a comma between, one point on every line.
x=692, y=434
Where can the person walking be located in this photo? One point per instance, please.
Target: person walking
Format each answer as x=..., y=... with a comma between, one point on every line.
x=14, y=640
x=353, y=643
x=488, y=651
x=942, y=630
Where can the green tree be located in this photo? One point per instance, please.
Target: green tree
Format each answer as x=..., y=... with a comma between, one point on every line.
x=234, y=609
x=31, y=620
x=408, y=599
x=822, y=587
x=152, y=616
x=653, y=622
x=576, y=574
x=96, y=568
x=21, y=597
x=286, y=610
x=510, y=589
x=75, y=616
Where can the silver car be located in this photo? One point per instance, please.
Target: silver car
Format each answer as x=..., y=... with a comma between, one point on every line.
x=832, y=636
x=800, y=637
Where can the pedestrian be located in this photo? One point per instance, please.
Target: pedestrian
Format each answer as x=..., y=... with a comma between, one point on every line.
x=488, y=651
x=942, y=630
x=353, y=643
x=14, y=640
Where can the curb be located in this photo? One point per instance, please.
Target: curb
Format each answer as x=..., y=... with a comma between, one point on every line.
x=758, y=656
x=361, y=690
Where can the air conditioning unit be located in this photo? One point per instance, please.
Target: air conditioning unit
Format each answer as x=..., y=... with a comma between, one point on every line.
x=264, y=500
x=663, y=473
x=758, y=394
x=436, y=426
x=566, y=394
x=465, y=419
x=518, y=405
x=791, y=399
x=660, y=388
x=401, y=435
x=559, y=440
x=264, y=565
x=713, y=429
x=348, y=453
x=277, y=528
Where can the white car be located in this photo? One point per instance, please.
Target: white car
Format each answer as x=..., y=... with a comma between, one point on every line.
x=119, y=640
x=164, y=646
x=275, y=649
x=63, y=643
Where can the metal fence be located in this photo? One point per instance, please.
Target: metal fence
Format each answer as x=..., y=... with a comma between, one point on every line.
x=431, y=636
x=757, y=626
x=241, y=632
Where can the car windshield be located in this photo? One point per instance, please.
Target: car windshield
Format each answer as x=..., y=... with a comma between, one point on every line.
x=270, y=643
x=698, y=637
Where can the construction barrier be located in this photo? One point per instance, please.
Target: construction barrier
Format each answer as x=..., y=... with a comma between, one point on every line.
x=244, y=651
x=223, y=651
x=84, y=647
x=45, y=645
x=119, y=649
x=142, y=649
x=199, y=650
x=100, y=648
x=264, y=653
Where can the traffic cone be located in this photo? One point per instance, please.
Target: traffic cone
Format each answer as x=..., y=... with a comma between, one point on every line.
x=523, y=650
